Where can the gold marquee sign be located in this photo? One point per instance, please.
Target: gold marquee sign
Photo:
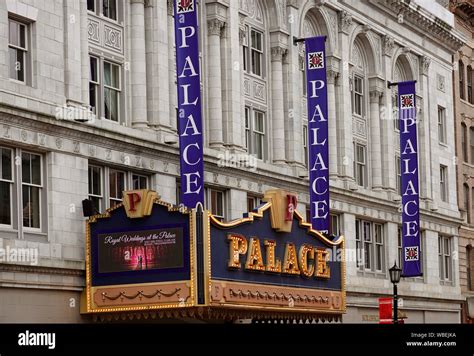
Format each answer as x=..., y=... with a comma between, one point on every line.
x=147, y=256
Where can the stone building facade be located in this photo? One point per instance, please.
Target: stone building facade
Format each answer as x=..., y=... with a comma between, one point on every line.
x=463, y=78
x=59, y=58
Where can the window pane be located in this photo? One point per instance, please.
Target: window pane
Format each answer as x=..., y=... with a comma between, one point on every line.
x=107, y=73
x=96, y=203
x=22, y=34
x=26, y=168
x=31, y=214
x=110, y=9
x=115, y=76
x=36, y=169
x=13, y=33
x=111, y=104
x=259, y=146
x=5, y=206
x=257, y=40
x=139, y=182
x=91, y=5
x=20, y=65
x=6, y=168
x=93, y=75
x=93, y=97
x=94, y=181
x=256, y=63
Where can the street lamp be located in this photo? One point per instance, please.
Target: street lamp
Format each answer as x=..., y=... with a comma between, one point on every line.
x=395, y=274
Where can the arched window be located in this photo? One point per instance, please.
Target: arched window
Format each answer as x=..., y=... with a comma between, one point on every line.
x=358, y=88
x=462, y=82
x=470, y=96
x=254, y=59
x=464, y=142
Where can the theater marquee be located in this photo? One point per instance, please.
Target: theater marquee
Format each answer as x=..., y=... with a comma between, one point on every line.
x=146, y=256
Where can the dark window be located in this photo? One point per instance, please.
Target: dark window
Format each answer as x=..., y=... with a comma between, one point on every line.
x=109, y=8
x=462, y=83
x=6, y=183
x=31, y=189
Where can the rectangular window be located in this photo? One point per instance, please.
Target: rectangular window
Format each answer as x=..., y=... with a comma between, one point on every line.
x=111, y=91
x=6, y=183
x=91, y=5
x=360, y=166
x=245, y=45
x=398, y=170
x=441, y=124
x=95, y=187
x=370, y=246
x=396, y=120
x=464, y=142
x=109, y=9
x=252, y=202
x=256, y=52
x=368, y=243
x=116, y=187
x=139, y=181
x=445, y=258
x=93, y=83
x=379, y=249
x=358, y=96
x=31, y=189
x=217, y=203
x=303, y=75
x=443, y=186
x=471, y=141
x=247, y=129
x=359, y=249
x=470, y=75
x=461, y=80
x=334, y=228
x=400, y=246
x=305, y=144
x=259, y=134
x=18, y=49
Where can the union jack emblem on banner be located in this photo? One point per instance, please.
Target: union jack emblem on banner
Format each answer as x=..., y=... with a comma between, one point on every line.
x=411, y=253
x=407, y=101
x=315, y=60
x=184, y=6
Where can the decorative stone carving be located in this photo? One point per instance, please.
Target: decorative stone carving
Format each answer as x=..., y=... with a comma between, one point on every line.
x=41, y=139
x=375, y=95
x=425, y=65
x=440, y=82
x=170, y=7
x=108, y=155
x=24, y=135
x=6, y=131
x=215, y=26
x=59, y=143
x=113, y=38
x=331, y=76
x=93, y=31
x=278, y=53
x=345, y=21
x=76, y=146
x=388, y=45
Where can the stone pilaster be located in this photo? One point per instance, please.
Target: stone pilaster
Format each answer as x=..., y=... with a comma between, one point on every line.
x=278, y=114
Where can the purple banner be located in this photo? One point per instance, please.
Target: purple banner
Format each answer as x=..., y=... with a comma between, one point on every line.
x=409, y=171
x=318, y=164
x=189, y=102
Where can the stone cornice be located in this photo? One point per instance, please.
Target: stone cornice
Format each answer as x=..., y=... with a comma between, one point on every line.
x=426, y=22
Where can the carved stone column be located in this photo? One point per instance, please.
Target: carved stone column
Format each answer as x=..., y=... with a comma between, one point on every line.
x=278, y=114
x=138, y=64
x=214, y=28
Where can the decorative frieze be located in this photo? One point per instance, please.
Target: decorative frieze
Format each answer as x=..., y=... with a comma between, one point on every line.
x=345, y=22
